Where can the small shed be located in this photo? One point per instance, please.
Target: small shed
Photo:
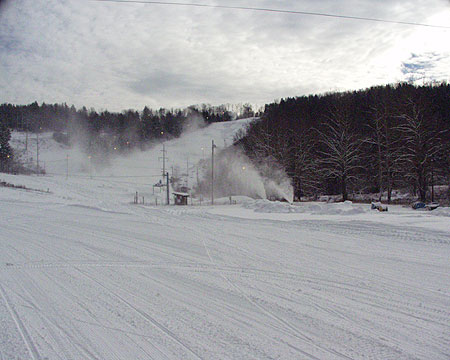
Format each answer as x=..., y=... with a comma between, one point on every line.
x=181, y=198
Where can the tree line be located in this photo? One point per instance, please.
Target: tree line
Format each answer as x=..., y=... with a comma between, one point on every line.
x=147, y=123
x=367, y=141
x=101, y=132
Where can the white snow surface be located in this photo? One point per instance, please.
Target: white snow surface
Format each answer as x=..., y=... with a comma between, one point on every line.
x=86, y=274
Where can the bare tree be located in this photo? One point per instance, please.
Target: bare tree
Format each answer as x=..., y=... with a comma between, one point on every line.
x=387, y=152
x=306, y=175
x=422, y=145
x=340, y=152
x=263, y=142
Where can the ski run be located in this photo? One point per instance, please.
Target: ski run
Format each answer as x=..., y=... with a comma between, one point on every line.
x=87, y=274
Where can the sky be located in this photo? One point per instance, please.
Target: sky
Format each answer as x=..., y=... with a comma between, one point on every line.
x=116, y=56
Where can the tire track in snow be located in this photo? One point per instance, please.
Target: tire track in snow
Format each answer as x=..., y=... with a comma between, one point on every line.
x=98, y=324
x=52, y=322
x=292, y=330
x=296, y=332
x=49, y=322
x=20, y=326
x=145, y=316
x=314, y=300
x=88, y=354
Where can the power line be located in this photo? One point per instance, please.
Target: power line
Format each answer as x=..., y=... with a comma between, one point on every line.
x=104, y=176
x=307, y=13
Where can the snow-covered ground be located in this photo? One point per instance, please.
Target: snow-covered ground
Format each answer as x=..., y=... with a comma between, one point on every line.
x=86, y=274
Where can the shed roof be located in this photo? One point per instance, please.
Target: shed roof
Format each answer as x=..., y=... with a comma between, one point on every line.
x=180, y=194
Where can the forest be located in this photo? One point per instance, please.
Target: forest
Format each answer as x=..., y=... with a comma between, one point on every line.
x=373, y=140
x=141, y=126
x=368, y=141
x=101, y=133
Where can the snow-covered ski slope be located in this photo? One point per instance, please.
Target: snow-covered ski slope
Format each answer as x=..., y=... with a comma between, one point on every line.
x=139, y=167
x=86, y=274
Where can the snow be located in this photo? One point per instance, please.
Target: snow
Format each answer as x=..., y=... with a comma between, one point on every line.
x=86, y=274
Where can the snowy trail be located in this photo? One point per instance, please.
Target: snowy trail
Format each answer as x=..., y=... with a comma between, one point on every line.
x=85, y=274
x=162, y=283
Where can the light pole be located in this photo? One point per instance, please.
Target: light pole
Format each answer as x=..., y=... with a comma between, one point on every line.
x=212, y=172
x=167, y=188
x=90, y=166
x=163, y=159
x=37, y=151
x=67, y=166
x=187, y=172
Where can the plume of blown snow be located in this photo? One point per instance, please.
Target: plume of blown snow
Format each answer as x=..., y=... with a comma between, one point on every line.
x=276, y=183
x=236, y=175
x=193, y=123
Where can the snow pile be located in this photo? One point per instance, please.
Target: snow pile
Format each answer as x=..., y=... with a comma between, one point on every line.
x=441, y=211
x=233, y=200
x=343, y=208
x=266, y=206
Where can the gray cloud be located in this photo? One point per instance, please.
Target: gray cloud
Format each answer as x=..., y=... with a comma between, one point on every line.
x=425, y=67
x=117, y=56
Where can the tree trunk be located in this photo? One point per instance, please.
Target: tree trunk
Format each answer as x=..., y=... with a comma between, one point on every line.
x=389, y=191
x=380, y=174
x=344, y=189
x=422, y=187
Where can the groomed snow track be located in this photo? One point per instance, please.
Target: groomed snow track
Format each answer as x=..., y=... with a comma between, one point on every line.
x=79, y=282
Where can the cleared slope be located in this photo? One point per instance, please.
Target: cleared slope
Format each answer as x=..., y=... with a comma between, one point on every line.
x=85, y=274
x=125, y=174
x=82, y=282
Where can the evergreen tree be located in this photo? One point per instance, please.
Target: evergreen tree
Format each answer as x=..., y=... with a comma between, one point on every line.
x=6, y=154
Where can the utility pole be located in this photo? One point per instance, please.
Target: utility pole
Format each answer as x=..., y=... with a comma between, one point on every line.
x=164, y=160
x=26, y=131
x=212, y=172
x=90, y=166
x=167, y=186
x=37, y=150
x=67, y=166
x=187, y=172
x=432, y=179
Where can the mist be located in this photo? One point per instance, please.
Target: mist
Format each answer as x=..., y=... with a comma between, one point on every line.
x=188, y=161
x=236, y=175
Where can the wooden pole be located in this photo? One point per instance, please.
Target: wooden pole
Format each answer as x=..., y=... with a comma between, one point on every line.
x=212, y=172
x=168, y=191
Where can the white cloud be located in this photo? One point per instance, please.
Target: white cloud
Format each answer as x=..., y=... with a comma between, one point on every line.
x=117, y=56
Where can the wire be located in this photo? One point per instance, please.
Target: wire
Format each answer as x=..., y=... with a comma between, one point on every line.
x=308, y=13
x=52, y=161
x=103, y=176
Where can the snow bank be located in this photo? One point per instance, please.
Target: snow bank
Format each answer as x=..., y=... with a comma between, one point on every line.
x=233, y=200
x=441, y=211
x=266, y=206
x=345, y=208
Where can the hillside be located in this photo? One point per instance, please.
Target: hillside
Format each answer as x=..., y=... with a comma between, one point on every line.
x=87, y=274
x=126, y=174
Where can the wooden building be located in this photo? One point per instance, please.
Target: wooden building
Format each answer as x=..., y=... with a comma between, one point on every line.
x=180, y=198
